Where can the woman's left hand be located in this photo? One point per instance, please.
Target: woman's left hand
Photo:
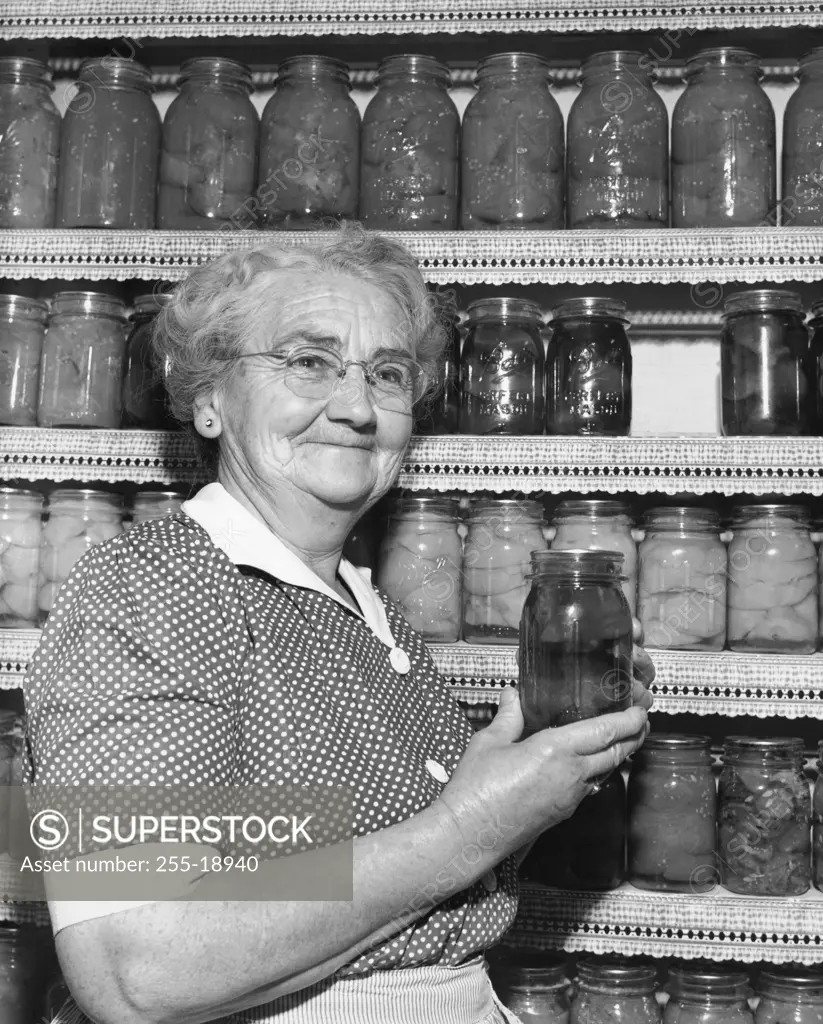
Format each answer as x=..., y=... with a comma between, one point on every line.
x=644, y=670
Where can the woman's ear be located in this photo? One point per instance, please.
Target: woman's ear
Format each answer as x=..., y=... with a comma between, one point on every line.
x=207, y=419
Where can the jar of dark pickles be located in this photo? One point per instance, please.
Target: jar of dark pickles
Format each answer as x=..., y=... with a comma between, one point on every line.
x=767, y=374
x=618, y=147
x=21, y=958
x=589, y=369
x=409, y=156
x=575, y=639
x=109, y=148
x=615, y=989
x=790, y=994
x=817, y=822
x=532, y=985
x=208, y=161
x=816, y=326
x=723, y=144
x=309, y=146
x=512, y=147
x=144, y=396
x=764, y=846
x=29, y=144
x=501, y=368
x=702, y=992
x=22, y=329
x=441, y=413
x=802, y=203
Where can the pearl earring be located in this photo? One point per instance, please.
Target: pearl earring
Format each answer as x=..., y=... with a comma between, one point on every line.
x=209, y=423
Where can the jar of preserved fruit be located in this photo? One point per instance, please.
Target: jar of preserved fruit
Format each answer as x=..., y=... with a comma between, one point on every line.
x=767, y=374
x=790, y=994
x=309, y=146
x=763, y=841
x=532, y=985
x=723, y=144
x=817, y=822
x=11, y=746
x=512, y=147
x=672, y=813
x=409, y=155
x=575, y=639
x=208, y=159
x=81, y=373
x=816, y=326
x=707, y=993
x=109, y=148
x=618, y=148
x=682, y=580
x=441, y=414
x=155, y=505
x=501, y=368
x=421, y=564
x=589, y=369
x=496, y=563
x=590, y=525
x=20, y=533
x=29, y=144
x=22, y=329
x=77, y=520
x=144, y=395
x=802, y=203
x=615, y=989
x=20, y=973
x=588, y=850
x=772, y=588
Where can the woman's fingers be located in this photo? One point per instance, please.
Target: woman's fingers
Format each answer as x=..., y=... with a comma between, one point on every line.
x=594, y=735
x=641, y=696
x=608, y=760
x=637, y=631
x=644, y=669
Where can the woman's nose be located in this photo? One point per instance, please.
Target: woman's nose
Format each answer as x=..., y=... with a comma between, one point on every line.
x=352, y=398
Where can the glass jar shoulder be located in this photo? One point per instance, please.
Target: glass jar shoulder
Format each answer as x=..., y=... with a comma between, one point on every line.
x=708, y=99
x=700, y=1013
x=620, y=108
x=201, y=108
x=411, y=106
x=792, y=1011
x=28, y=105
x=609, y=1008
x=303, y=107
x=527, y=99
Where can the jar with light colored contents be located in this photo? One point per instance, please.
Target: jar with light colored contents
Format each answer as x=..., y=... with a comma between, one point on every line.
x=681, y=593
x=77, y=520
x=532, y=985
x=817, y=822
x=421, y=565
x=613, y=989
x=790, y=994
x=772, y=588
x=20, y=538
x=21, y=959
x=502, y=533
x=154, y=505
x=22, y=329
x=802, y=204
x=594, y=525
x=703, y=992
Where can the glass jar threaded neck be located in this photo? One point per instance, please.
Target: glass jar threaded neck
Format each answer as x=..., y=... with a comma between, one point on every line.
x=218, y=72
x=413, y=67
x=313, y=67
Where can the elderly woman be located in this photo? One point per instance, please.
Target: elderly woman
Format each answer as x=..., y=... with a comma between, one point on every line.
x=232, y=643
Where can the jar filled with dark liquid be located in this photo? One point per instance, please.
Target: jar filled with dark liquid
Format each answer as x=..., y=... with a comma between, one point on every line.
x=441, y=414
x=816, y=327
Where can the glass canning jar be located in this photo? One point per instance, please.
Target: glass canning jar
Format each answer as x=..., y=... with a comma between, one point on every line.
x=610, y=989
x=681, y=591
x=817, y=822
x=790, y=994
x=109, y=148
x=144, y=396
x=512, y=147
x=723, y=144
x=155, y=505
x=21, y=962
x=707, y=993
x=767, y=374
x=29, y=144
x=77, y=519
x=441, y=414
x=81, y=372
x=12, y=739
x=592, y=525
x=763, y=840
x=672, y=809
x=309, y=146
x=772, y=587
x=617, y=158
x=502, y=533
x=501, y=368
x=22, y=329
x=208, y=158
x=816, y=326
x=532, y=985
x=575, y=653
x=802, y=202
x=420, y=566
x=589, y=369
x=20, y=534
x=409, y=155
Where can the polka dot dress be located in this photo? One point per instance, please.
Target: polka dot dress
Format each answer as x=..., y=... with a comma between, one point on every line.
x=163, y=662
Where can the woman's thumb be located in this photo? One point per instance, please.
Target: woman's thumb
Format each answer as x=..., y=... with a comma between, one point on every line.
x=508, y=722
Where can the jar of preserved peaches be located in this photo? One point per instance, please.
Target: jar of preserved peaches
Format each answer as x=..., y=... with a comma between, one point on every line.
x=817, y=822
x=591, y=525
x=502, y=533
x=20, y=972
x=618, y=150
x=532, y=985
x=802, y=203
x=816, y=326
x=589, y=369
x=772, y=588
x=144, y=396
x=682, y=580
x=77, y=520
x=501, y=368
x=763, y=842
x=29, y=144
x=441, y=414
x=208, y=160
x=575, y=639
x=512, y=147
x=703, y=992
x=790, y=994
x=767, y=374
x=615, y=989
x=22, y=329
x=409, y=157
x=421, y=564
x=723, y=144
x=20, y=535
x=154, y=505
x=309, y=146
x=109, y=148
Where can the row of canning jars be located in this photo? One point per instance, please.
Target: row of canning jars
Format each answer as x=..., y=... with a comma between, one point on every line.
x=757, y=830
x=410, y=165
x=39, y=548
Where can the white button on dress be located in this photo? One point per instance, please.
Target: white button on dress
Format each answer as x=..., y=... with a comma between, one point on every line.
x=399, y=661
x=437, y=771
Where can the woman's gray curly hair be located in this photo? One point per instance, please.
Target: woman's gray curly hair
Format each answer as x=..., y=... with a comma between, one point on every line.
x=217, y=307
